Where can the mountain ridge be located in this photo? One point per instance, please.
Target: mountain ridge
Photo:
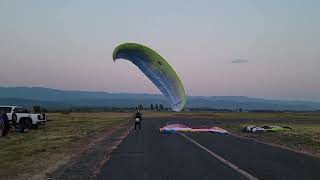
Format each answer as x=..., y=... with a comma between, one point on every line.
x=48, y=97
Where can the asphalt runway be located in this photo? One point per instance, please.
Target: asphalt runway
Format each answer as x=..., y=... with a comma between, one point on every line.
x=148, y=154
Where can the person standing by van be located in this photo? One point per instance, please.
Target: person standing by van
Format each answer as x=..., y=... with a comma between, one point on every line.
x=4, y=123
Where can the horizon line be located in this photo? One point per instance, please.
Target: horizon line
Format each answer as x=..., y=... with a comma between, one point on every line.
x=110, y=92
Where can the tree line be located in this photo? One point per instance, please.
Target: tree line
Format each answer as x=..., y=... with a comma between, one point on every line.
x=156, y=107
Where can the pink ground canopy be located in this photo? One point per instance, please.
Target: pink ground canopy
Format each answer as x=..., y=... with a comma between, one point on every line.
x=173, y=128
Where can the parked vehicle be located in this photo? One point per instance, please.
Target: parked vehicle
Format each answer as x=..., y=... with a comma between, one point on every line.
x=23, y=118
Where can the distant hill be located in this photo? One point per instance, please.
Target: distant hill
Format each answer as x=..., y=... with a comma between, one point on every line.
x=52, y=98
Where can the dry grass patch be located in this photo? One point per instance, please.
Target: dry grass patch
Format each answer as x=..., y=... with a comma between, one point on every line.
x=27, y=154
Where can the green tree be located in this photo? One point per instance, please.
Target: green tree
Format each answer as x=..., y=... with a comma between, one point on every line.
x=140, y=107
x=44, y=110
x=36, y=109
x=151, y=107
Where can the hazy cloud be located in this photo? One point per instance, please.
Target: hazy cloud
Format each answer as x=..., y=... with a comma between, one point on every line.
x=239, y=61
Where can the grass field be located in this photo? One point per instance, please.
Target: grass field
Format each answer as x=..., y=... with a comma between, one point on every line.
x=41, y=150
x=304, y=136
x=27, y=154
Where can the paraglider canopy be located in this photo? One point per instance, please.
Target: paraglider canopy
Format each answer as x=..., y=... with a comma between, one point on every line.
x=157, y=69
x=174, y=128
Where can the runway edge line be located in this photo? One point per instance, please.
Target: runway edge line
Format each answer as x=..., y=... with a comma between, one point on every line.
x=234, y=167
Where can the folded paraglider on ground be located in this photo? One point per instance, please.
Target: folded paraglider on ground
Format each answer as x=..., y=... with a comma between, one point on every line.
x=174, y=128
x=260, y=129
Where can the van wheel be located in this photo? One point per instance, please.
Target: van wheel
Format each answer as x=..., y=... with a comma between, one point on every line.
x=23, y=125
x=29, y=124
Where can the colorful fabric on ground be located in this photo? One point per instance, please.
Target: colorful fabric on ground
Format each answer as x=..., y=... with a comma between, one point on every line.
x=173, y=128
x=257, y=129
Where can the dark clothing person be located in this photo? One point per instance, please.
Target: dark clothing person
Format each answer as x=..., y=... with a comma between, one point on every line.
x=137, y=119
x=5, y=124
x=137, y=124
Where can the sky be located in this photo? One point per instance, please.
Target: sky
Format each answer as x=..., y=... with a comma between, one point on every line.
x=265, y=49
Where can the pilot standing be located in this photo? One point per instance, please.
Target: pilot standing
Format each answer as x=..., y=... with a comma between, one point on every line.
x=137, y=119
